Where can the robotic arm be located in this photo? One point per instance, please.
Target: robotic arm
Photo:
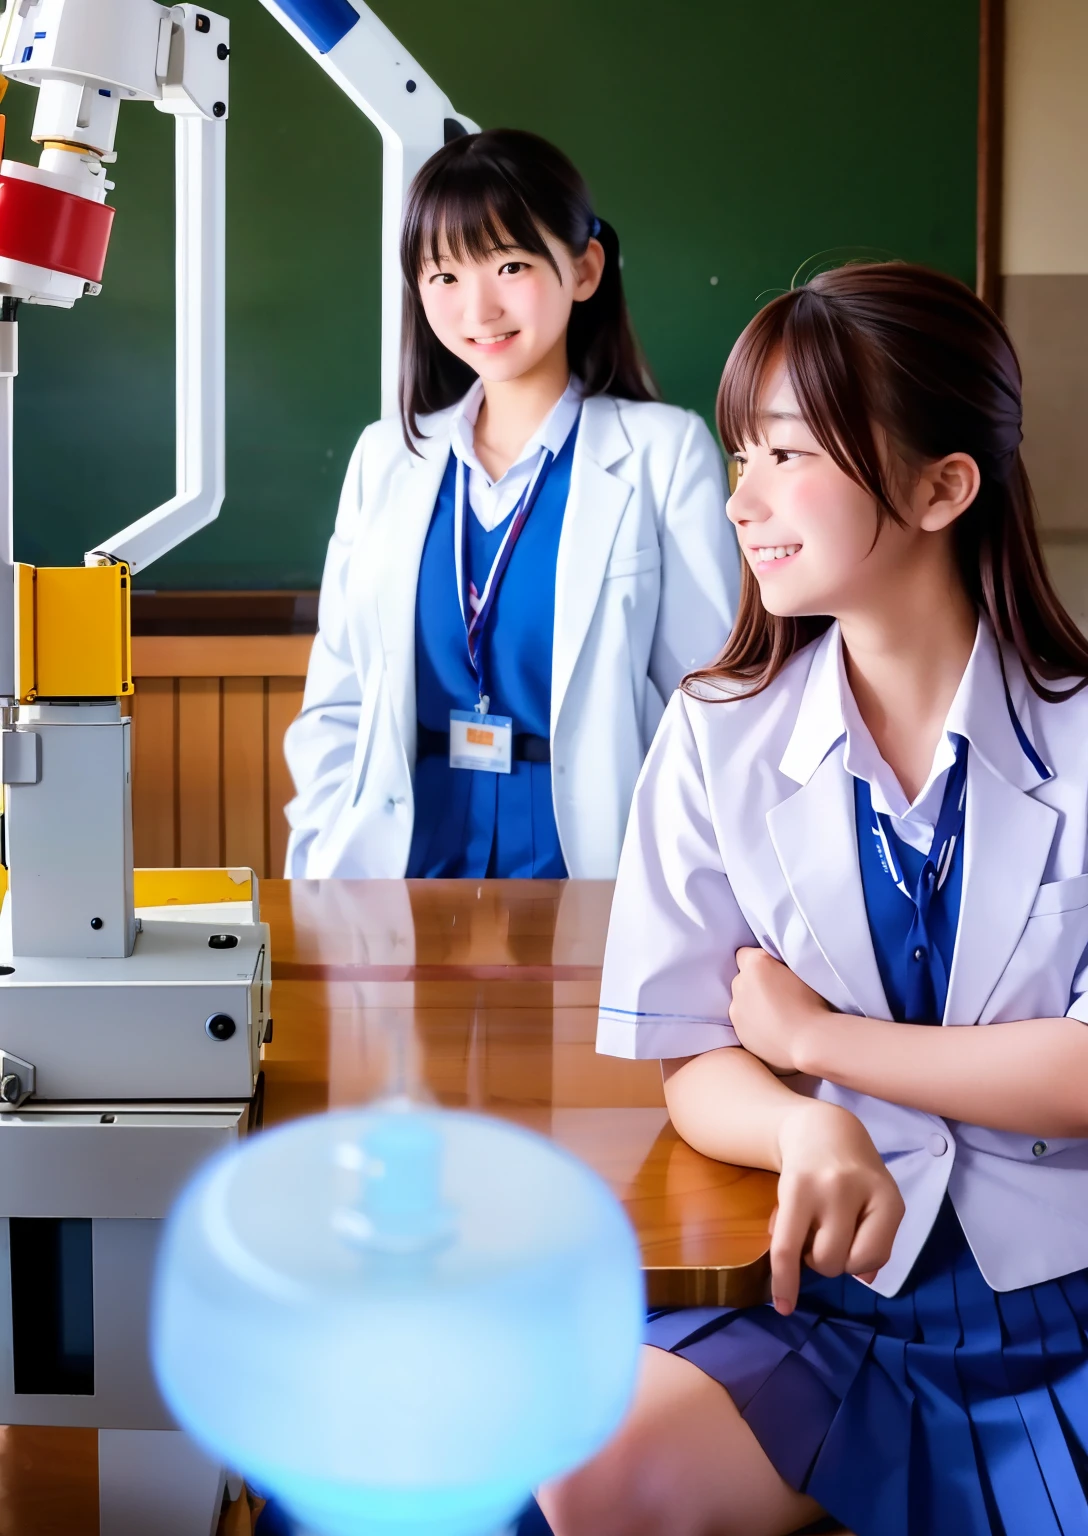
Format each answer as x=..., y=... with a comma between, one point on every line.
x=86, y=56
x=412, y=115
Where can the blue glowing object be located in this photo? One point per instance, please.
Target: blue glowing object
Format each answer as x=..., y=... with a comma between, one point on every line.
x=398, y=1321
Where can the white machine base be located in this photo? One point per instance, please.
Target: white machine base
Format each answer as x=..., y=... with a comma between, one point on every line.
x=156, y=1481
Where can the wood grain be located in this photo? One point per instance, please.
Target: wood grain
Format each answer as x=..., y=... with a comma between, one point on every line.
x=220, y=655
x=210, y=780
x=485, y=931
x=243, y=772
x=155, y=773
x=991, y=148
x=284, y=703
x=200, y=840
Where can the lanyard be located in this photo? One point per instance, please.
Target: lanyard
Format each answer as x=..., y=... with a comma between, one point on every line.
x=924, y=966
x=946, y=834
x=480, y=606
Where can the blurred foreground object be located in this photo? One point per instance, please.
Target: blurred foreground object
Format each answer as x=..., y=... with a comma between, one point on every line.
x=398, y=1320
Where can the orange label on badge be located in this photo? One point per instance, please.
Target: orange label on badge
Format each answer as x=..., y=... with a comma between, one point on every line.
x=478, y=738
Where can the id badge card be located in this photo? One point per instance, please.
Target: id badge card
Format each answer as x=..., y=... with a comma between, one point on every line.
x=482, y=742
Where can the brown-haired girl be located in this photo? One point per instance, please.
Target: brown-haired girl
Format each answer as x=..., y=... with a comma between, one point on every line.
x=870, y=819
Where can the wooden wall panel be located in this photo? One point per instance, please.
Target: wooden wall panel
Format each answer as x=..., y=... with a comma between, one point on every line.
x=200, y=841
x=284, y=703
x=244, y=773
x=154, y=773
x=209, y=776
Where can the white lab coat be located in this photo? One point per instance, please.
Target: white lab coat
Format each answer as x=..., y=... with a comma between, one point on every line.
x=743, y=832
x=646, y=587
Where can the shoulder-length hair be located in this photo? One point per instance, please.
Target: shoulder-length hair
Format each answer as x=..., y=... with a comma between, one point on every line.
x=893, y=352
x=504, y=189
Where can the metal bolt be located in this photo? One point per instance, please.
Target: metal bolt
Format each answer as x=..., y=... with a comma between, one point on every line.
x=220, y=1026
x=10, y=1088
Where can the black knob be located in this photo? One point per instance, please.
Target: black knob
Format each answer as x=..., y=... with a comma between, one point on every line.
x=410, y=86
x=223, y=51
x=223, y=941
x=96, y=923
x=220, y=1026
x=218, y=108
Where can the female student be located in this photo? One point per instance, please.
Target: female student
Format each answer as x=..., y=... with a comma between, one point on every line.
x=524, y=566
x=867, y=819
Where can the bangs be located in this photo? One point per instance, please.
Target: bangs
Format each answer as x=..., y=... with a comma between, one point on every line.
x=467, y=214
x=748, y=367
x=827, y=370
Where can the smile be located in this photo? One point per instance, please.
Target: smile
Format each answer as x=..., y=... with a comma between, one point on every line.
x=773, y=554
x=492, y=341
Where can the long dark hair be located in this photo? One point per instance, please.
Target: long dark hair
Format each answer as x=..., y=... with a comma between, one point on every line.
x=504, y=188
x=889, y=348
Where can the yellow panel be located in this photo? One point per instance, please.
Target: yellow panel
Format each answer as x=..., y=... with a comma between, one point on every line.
x=26, y=688
x=187, y=887
x=3, y=883
x=83, y=632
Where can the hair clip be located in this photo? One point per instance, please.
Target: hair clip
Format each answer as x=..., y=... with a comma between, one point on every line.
x=594, y=228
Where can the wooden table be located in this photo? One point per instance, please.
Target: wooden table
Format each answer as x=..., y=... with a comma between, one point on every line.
x=474, y=995
x=484, y=995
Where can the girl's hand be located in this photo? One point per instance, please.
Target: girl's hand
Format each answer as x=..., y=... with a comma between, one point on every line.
x=838, y=1206
x=772, y=1011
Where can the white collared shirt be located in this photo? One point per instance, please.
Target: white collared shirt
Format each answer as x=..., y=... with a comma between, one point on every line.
x=913, y=821
x=492, y=501
x=829, y=715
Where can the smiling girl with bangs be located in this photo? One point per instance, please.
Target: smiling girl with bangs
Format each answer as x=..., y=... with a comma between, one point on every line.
x=851, y=919
x=525, y=564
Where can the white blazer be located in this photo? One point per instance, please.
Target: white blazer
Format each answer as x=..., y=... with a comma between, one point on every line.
x=646, y=588
x=743, y=832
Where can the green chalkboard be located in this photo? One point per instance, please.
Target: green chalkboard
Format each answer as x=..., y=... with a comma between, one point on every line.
x=729, y=143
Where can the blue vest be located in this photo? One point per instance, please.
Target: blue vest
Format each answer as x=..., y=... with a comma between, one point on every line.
x=472, y=824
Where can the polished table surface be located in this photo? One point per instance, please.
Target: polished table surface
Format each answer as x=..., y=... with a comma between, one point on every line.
x=478, y=995
x=483, y=995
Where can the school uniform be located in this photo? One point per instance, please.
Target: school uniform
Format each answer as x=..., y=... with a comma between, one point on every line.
x=950, y=1398
x=623, y=577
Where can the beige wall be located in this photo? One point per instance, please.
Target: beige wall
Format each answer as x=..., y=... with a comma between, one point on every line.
x=1045, y=267
x=1046, y=137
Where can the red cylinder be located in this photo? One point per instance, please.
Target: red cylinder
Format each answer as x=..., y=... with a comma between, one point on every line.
x=50, y=228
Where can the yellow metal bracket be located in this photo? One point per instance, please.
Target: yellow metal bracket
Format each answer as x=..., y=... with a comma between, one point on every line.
x=73, y=632
x=183, y=887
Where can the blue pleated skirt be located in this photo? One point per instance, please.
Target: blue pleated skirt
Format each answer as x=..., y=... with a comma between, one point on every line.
x=948, y=1410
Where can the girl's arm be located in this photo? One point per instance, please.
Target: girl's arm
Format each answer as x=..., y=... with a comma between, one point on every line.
x=1029, y=1077
x=669, y=963
x=838, y=1207
x=700, y=570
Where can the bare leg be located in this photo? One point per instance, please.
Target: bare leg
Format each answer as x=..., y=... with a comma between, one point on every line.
x=684, y=1464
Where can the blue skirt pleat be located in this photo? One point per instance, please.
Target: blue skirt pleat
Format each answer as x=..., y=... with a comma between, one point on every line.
x=947, y=1484
x=947, y=1410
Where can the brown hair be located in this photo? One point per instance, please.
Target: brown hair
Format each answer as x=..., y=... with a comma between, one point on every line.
x=886, y=348
x=504, y=188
